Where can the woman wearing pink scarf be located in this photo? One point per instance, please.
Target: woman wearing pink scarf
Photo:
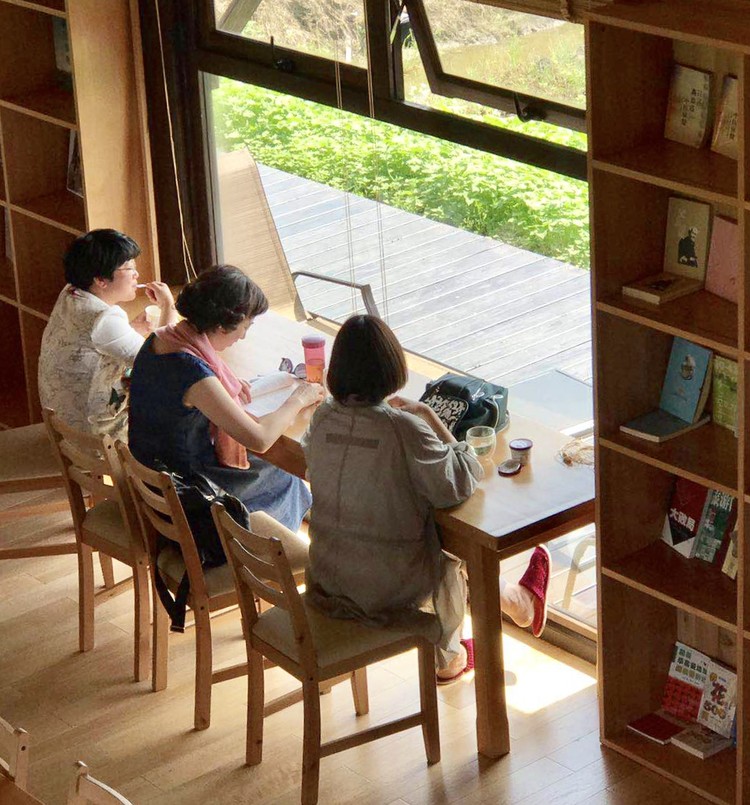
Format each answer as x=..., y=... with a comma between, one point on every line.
x=186, y=404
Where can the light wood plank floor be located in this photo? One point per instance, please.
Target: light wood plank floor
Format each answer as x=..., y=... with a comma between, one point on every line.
x=86, y=706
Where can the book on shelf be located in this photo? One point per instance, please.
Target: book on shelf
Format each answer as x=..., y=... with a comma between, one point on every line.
x=75, y=177
x=61, y=44
x=724, y=140
x=660, y=288
x=657, y=727
x=729, y=566
x=716, y=524
x=700, y=741
x=684, y=393
x=719, y=701
x=688, y=673
x=686, y=238
x=688, y=106
x=724, y=393
x=723, y=259
x=684, y=515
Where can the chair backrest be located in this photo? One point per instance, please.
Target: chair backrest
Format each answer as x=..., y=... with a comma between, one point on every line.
x=261, y=570
x=160, y=512
x=85, y=790
x=14, y=753
x=90, y=465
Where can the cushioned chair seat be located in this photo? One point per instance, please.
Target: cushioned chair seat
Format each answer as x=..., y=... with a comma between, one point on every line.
x=27, y=455
x=105, y=520
x=335, y=640
x=219, y=580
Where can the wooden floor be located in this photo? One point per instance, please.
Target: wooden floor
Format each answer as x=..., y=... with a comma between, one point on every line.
x=463, y=299
x=86, y=706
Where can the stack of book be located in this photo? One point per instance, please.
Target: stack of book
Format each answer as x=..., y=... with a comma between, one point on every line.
x=698, y=706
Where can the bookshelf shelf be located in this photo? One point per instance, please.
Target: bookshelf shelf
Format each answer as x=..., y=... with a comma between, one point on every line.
x=691, y=585
x=631, y=51
x=700, y=173
x=701, y=317
x=713, y=778
x=41, y=104
x=54, y=105
x=706, y=455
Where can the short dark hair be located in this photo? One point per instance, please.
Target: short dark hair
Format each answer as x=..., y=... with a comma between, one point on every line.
x=366, y=361
x=221, y=296
x=97, y=254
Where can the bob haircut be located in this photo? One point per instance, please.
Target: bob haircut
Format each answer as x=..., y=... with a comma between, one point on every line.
x=97, y=255
x=367, y=361
x=220, y=297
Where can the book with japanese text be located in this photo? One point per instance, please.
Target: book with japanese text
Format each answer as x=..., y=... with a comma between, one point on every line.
x=723, y=259
x=719, y=701
x=717, y=522
x=724, y=393
x=688, y=673
x=729, y=566
x=686, y=238
x=660, y=288
x=687, y=381
x=700, y=741
x=688, y=106
x=724, y=140
x=686, y=507
x=659, y=426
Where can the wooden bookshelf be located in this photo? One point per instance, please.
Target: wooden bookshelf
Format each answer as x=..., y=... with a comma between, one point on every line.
x=651, y=596
x=40, y=106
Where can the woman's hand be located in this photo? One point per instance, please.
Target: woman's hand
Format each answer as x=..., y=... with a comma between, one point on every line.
x=420, y=409
x=159, y=294
x=307, y=394
x=140, y=324
x=245, y=395
x=425, y=413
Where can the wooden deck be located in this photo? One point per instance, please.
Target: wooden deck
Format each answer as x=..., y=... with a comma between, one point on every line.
x=466, y=300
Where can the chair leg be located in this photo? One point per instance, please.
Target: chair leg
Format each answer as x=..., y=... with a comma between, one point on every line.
x=311, y=743
x=255, y=705
x=203, y=667
x=160, y=647
x=85, y=597
x=107, y=570
x=428, y=702
x=359, y=692
x=141, y=634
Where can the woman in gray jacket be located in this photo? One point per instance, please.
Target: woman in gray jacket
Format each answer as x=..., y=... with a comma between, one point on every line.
x=378, y=469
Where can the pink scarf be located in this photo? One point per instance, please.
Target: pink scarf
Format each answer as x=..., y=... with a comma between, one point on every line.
x=181, y=337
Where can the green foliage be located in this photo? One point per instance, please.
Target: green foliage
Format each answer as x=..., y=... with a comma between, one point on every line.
x=525, y=206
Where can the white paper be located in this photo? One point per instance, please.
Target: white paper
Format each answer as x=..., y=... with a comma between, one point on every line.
x=270, y=392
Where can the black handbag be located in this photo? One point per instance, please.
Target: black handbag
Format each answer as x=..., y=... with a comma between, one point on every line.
x=197, y=494
x=462, y=402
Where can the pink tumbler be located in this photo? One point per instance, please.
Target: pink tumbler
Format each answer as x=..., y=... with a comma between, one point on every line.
x=315, y=357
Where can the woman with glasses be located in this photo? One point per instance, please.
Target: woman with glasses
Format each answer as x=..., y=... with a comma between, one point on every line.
x=88, y=344
x=186, y=405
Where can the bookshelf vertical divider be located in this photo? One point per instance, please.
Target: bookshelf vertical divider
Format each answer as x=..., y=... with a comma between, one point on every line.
x=67, y=67
x=650, y=597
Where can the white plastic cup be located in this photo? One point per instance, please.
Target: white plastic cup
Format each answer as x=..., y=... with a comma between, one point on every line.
x=153, y=315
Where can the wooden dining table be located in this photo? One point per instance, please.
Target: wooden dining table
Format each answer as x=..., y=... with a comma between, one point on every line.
x=506, y=515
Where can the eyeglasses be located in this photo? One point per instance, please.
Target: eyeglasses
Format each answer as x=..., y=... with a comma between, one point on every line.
x=131, y=269
x=299, y=371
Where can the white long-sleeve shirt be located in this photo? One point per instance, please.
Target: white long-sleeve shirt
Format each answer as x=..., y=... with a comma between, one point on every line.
x=376, y=474
x=86, y=347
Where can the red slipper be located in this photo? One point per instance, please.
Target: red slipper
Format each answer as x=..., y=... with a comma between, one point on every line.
x=536, y=580
x=468, y=644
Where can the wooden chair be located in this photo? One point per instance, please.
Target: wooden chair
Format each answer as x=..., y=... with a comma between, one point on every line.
x=313, y=648
x=85, y=790
x=90, y=465
x=213, y=589
x=27, y=464
x=14, y=753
